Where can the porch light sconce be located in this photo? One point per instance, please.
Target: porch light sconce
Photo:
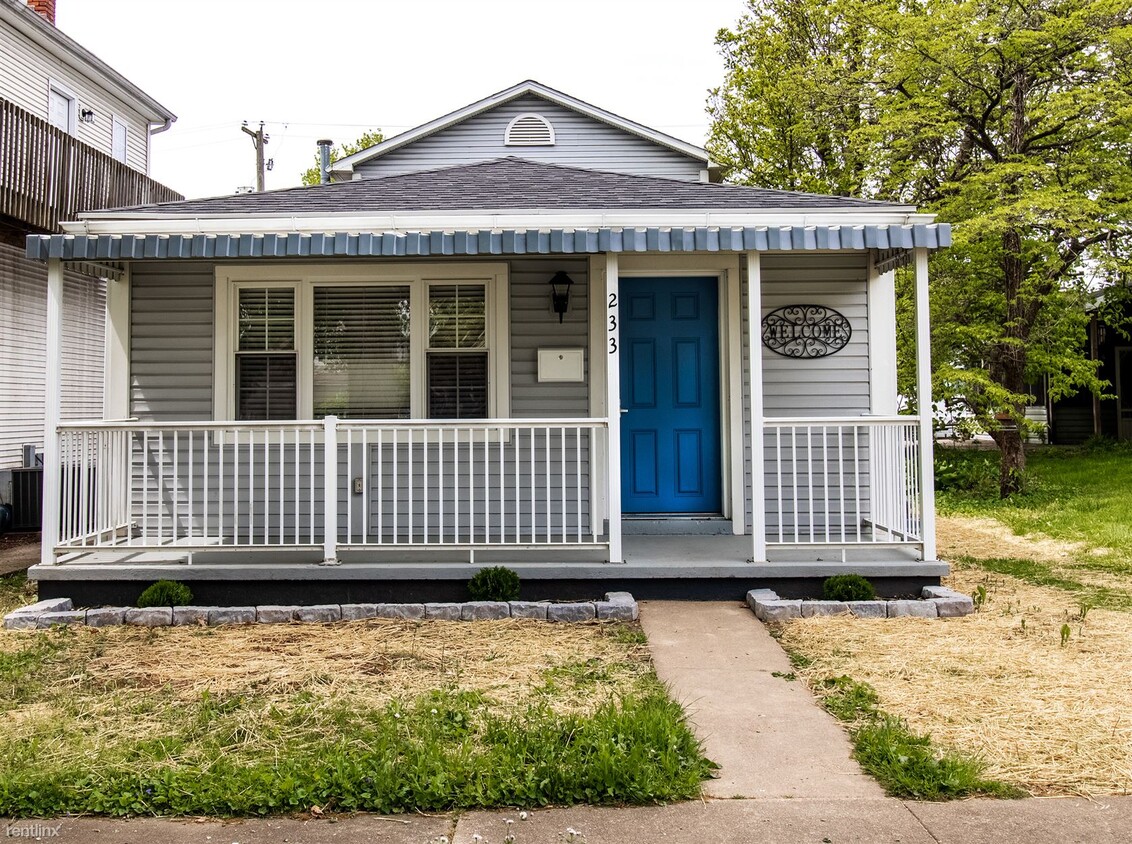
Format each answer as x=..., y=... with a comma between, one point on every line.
x=560, y=295
x=86, y=115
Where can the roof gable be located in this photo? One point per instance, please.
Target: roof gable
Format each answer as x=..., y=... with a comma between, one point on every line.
x=529, y=88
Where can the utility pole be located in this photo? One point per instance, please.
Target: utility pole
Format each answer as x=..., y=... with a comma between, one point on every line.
x=259, y=141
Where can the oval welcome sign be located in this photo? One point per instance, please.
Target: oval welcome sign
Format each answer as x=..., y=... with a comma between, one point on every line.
x=806, y=331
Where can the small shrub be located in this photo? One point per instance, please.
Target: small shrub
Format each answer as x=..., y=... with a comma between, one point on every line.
x=496, y=583
x=847, y=587
x=165, y=593
x=972, y=473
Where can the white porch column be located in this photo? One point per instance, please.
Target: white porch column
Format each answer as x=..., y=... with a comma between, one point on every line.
x=881, y=296
x=924, y=402
x=755, y=388
x=613, y=406
x=330, y=491
x=116, y=386
x=52, y=411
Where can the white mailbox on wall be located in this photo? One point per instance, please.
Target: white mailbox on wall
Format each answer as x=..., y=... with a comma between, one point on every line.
x=561, y=365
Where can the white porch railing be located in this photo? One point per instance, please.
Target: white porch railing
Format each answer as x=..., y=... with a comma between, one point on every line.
x=469, y=484
x=416, y=484
x=843, y=481
x=517, y=484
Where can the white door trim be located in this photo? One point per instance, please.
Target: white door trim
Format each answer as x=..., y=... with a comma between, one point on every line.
x=732, y=450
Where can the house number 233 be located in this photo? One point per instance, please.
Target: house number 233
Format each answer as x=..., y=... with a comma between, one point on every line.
x=613, y=323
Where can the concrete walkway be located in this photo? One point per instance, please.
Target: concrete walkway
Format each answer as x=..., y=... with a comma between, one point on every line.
x=768, y=734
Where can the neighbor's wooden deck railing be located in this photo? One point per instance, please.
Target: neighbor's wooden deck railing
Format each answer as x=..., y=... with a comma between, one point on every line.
x=48, y=176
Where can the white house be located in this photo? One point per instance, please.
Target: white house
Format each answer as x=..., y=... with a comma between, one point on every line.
x=521, y=333
x=74, y=135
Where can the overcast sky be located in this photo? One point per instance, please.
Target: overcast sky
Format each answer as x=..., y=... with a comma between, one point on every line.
x=335, y=69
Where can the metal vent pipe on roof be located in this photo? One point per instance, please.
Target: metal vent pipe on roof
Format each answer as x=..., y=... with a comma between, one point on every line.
x=324, y=161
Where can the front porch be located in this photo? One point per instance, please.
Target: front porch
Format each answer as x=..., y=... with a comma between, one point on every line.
x=329, y=508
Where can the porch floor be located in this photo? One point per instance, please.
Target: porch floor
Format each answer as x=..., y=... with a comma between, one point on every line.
x=646, y=556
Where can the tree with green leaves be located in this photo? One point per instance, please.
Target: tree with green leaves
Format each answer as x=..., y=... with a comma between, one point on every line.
x=1011, y=120
x=368, y=139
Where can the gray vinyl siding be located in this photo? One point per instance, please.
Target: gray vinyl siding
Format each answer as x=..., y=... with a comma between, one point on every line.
x=23, y=348
x=534, y=325
x=836, y=385
x=171, y=372
x=171, y=316
x=580, y=141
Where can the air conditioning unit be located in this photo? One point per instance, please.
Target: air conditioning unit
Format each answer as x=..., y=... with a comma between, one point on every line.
x=27, y=498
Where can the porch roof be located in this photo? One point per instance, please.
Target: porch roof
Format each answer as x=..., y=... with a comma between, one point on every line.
x=375, y=244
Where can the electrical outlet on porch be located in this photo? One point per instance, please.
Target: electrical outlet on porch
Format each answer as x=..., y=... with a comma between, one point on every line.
x=357, y=486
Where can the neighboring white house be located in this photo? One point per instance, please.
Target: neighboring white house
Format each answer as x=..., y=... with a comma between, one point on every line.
x=530, y=332
x=74, y=135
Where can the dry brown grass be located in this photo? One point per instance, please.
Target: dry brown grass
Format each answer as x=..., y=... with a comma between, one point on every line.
x=370, y=661
x=110, y=687
x=999, y=684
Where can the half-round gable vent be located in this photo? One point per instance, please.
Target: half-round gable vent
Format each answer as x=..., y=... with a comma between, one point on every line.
x=529, y=130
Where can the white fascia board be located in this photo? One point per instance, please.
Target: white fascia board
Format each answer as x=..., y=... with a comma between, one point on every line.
x=346, y=165
x=68, y=51
x=140, y=224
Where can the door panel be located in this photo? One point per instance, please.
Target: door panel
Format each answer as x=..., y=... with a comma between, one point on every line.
x=670, y=428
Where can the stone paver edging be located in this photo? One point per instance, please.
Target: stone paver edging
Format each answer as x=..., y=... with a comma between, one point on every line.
x=617, y=606
x=937, y=602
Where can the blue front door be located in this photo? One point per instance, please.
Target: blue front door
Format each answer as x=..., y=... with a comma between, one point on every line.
x=670, y=448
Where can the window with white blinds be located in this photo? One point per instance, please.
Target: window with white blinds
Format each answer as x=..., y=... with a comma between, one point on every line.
x=406, y=343
x=361, y=352
x=266, y=383
x=457, y=352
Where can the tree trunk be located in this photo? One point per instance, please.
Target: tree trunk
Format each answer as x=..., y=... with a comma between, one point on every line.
x=1008, y=361
x=1008, y=365
x=1012, y=462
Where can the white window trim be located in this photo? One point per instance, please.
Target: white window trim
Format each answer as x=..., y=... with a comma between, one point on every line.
x=733, y=452
x=115, y=122
x=304, y=278
x=72, y=111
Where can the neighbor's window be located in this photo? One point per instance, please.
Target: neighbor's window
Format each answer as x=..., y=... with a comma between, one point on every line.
x=361, y=352
x=457, y=352
x=265, y=354
x=118, y=140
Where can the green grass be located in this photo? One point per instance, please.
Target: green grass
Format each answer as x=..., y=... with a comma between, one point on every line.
x=431, y=754
x=1071, y=494
x=1074, y=495
x=77, y=742
x=904, y=763
x=15, y=592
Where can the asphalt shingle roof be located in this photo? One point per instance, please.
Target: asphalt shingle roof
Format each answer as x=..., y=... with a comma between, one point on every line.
x=507, y=184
